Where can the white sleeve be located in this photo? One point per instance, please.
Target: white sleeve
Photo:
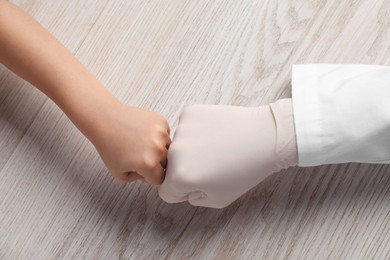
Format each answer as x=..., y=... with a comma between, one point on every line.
x=341, y=113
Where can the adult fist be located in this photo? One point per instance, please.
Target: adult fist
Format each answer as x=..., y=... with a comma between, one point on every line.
x=220, y=152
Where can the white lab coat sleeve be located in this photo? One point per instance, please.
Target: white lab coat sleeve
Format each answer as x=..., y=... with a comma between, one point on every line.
x=341, y=113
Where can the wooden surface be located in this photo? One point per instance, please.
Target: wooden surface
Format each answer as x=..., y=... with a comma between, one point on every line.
x=57, y=200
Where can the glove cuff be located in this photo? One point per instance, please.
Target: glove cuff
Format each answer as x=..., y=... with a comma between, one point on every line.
x=286, y=145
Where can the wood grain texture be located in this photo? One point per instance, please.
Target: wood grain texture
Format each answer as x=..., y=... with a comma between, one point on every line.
x=57, y=200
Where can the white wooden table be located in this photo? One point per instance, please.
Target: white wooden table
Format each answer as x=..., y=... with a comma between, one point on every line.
x=57, y=200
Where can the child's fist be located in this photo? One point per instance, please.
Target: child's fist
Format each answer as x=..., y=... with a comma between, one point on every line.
x=133, y=144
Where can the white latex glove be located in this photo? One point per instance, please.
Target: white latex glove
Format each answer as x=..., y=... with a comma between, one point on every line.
x=220, y=152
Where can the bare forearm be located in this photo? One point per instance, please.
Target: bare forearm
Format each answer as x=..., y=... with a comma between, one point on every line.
x=132, y=142
x=35, y=55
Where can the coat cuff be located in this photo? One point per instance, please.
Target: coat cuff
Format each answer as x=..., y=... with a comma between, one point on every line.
x=341, y=113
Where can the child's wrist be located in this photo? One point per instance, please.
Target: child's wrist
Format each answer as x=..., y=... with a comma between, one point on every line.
x=92, y=115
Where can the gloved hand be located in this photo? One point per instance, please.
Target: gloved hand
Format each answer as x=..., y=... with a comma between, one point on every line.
x=220, y=152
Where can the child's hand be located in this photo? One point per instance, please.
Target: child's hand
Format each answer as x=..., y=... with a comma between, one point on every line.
x=133, y=144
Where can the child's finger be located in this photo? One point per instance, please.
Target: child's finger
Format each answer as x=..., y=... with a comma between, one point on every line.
x=127, y=177
x=155, y=175
x=168, y=141
x=121, y=177
x=133, y=176
x=167, y=127
x=164, y=159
